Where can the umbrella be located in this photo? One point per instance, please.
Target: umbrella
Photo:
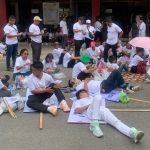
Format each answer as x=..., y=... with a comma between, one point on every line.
x=143, y=42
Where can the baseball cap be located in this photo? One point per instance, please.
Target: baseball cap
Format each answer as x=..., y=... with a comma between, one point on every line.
x=88, y=21
x=37, y=18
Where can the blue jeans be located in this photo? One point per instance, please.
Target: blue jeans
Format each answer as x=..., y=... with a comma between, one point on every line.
x=11, y=52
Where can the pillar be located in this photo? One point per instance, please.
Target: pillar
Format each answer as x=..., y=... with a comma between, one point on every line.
x=95, y=9
x=3, y=17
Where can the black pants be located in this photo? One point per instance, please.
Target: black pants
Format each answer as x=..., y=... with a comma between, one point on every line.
x=114, y=80
x=64, y=40
x=78, y=44
x=97, y=36
x=107, y=47
x=36, y=101
x=71, y=63
x=87, y=42
x=61, y=59
x=36, y=51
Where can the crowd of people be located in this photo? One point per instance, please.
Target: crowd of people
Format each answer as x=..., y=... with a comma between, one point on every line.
x=97, y=68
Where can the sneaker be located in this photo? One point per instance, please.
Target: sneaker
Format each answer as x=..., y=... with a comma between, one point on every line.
x=136, y=135
x=129, y=91
x=64, y=106
x=136, y=88
x=53, y=110
x=95, y=129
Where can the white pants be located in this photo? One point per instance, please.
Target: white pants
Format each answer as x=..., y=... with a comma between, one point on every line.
x=97, y=111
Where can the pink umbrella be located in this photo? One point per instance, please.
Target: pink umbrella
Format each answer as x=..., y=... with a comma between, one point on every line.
x=143, y=42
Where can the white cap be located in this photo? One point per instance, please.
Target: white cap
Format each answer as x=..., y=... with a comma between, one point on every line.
x=88, y=21
x=37, y=18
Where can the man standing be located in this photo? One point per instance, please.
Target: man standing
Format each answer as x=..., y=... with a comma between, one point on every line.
x=78, y=35
x=113, y=35
x=64, y=31
x=36, y=38
x=11, y=33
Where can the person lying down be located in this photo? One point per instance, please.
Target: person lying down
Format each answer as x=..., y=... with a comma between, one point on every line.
x=93, y=108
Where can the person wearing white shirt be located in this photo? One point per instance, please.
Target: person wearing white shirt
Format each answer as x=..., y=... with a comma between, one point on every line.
x=136, y=59
x=78, y=35
x=36, y=38
x=113, y=35
x=4, y=90
x=89, y=33
x=69, y=58
x=49, y=65
x=22, y=65
x=94, y=109
x=64, y=31
x=58, y=53
x=142, y=28
x=42, y=86
x=93, y=51
x=98, y=26
x=12, y=34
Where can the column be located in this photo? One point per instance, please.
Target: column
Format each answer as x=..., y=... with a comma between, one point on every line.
x=3, y=18
x=95, y=9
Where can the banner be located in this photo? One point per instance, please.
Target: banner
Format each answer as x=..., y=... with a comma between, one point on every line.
x=50, y=13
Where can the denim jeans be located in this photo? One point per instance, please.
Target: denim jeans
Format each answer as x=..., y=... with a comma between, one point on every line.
x=11, y=52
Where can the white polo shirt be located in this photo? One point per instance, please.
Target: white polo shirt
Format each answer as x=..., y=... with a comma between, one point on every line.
x=63, y=25
x=90, y=29
x=93, y=53
x=77, y=69
x=66, y=59
x=35, y=30
x=112, y=35
x=50, y=65
x=135, y=60
x=98, y=26
x=78, y=35
x=1, y=85
x=142, y=29
x=35, y=83
x=11, y=30
x=21, y=62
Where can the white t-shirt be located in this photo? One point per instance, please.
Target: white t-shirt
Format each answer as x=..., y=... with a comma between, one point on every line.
x=112, y=35
x=35, y=83
x=78, y=35
x=135, y=60
x=66, y=59
x=35, y=30
x=63, y=25
x=87, y=30
x=142, y=29
x=94, y=87
x=93, y=53
x=57, y=53
x=11, y=30
x=113, y=66
x=98, y=26
x=50, y=65
x=77, y=69
x=1, y=85
x=21, y=62
x=101, y=48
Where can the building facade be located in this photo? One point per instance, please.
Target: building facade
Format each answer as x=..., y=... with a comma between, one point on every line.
x=121, y=10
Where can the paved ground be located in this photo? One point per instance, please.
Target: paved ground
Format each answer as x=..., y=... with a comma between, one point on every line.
x=24, y=134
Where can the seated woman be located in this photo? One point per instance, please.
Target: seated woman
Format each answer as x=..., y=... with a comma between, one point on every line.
x=92, y=107
x=4, y=90
x=42, y=86
x=69, y=58
x=49, y=65
x=22, y=65
x=83, y=67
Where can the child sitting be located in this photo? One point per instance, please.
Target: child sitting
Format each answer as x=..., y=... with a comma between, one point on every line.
x=42, y=86
x=22, y=64
x=58, y=53
x=69, y=58
x=136, y=60
x=49, y=65
x=4, y=90
x=93, y=108
x=112, y=64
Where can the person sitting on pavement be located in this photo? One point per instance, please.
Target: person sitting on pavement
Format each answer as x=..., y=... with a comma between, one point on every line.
x=4, y=92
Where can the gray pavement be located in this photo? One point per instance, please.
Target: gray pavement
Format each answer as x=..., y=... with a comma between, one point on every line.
x=24, y=134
